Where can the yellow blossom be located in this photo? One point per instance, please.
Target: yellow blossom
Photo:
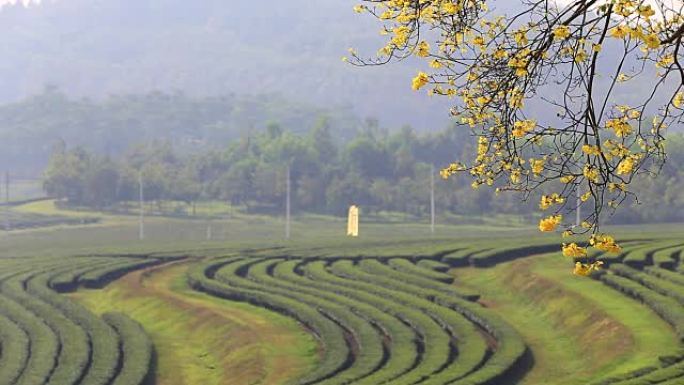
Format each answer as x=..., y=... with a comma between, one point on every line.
x=626, y=166
x=580, y=56
x=450, y=8
x=520, y=37
x=585, y=197
x=621, y=127
x=423, y=49
x=619, y=31
x=479, y=41
x=561, y=32
x=584, y=269
x=419, y=81
x=436, y=64
x=646, y=11
x=678, y=100
x=605, y=243
x=573, y=250
x=500, y=54
x=616, y=186
x=590, y=173
x=515, y=176
x=548, y=200
x=550, y=223
x=591, y=150
x=522, y=127
x=652, y=41
x=537, y=166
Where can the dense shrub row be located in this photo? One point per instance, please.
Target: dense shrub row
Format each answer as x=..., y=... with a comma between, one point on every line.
x=656, y=284
x=45, y=338
x=667, y=258
x=360, y=331
x=394, y=321
x=510, y=348
x=667, y=308
x=136, y=350
x=231, y=286
x=400, y=340
x=666, y=275
x=409, y=267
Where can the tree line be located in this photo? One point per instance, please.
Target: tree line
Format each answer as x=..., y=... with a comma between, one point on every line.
x=381, y=171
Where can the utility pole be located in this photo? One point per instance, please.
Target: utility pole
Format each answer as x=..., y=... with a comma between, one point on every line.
x=141, y=214
x=8, y=225
x=432, y=198
x=578, y=214
x=287, y=204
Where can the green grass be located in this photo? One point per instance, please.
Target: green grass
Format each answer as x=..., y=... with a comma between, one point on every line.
x=594, y=331
x=199, y=339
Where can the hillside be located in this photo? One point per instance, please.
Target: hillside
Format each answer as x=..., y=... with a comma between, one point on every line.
x=204, y=48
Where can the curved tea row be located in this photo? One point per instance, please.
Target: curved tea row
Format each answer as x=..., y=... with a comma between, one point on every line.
x=379, y=320
x=653, y=274
x=45, y=338
x=391, y=319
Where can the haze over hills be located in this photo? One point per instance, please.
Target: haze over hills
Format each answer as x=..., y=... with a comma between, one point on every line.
x=204, y=48
x=203, y=72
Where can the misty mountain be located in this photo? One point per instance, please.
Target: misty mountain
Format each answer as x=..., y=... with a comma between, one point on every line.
x=32, y=128
x=207, y=48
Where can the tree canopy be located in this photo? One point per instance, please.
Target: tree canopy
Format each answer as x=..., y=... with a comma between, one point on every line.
x=575, y=57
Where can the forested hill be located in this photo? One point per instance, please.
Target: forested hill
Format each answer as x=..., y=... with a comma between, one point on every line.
x=30, y=129
x=208, y=48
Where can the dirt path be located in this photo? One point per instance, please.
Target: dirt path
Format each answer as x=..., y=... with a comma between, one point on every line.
x=204, y=340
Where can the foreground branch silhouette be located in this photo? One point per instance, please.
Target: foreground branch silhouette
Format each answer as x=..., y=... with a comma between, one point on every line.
x=582, y=60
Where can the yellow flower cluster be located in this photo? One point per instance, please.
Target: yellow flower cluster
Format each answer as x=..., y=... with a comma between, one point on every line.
x=574, y=251
x=549, y=200
x=423, y=49
x=520, y=62
x=488, y=66
x=626, y=166
x=584, y=269
x=522, y=127
x=550, y=223
x=605, y=243
x=591, y=173
x=621, y=127
x=420, y=81
x=562, y=32
x=537, y=166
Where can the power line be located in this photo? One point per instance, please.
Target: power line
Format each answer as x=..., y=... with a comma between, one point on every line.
x=578, y=213
x=141, y=215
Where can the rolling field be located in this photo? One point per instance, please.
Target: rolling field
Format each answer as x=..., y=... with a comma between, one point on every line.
x=484, y=306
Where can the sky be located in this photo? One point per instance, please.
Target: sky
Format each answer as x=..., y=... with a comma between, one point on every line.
x=3, y=2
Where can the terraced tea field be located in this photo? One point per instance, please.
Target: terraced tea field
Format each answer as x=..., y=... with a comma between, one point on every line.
x=410, y=312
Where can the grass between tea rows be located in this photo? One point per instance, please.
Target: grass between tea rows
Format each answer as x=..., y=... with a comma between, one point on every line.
x=578, y=329
x=201, y=339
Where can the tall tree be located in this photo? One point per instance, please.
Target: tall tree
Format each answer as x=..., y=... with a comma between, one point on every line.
x=577, y=57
